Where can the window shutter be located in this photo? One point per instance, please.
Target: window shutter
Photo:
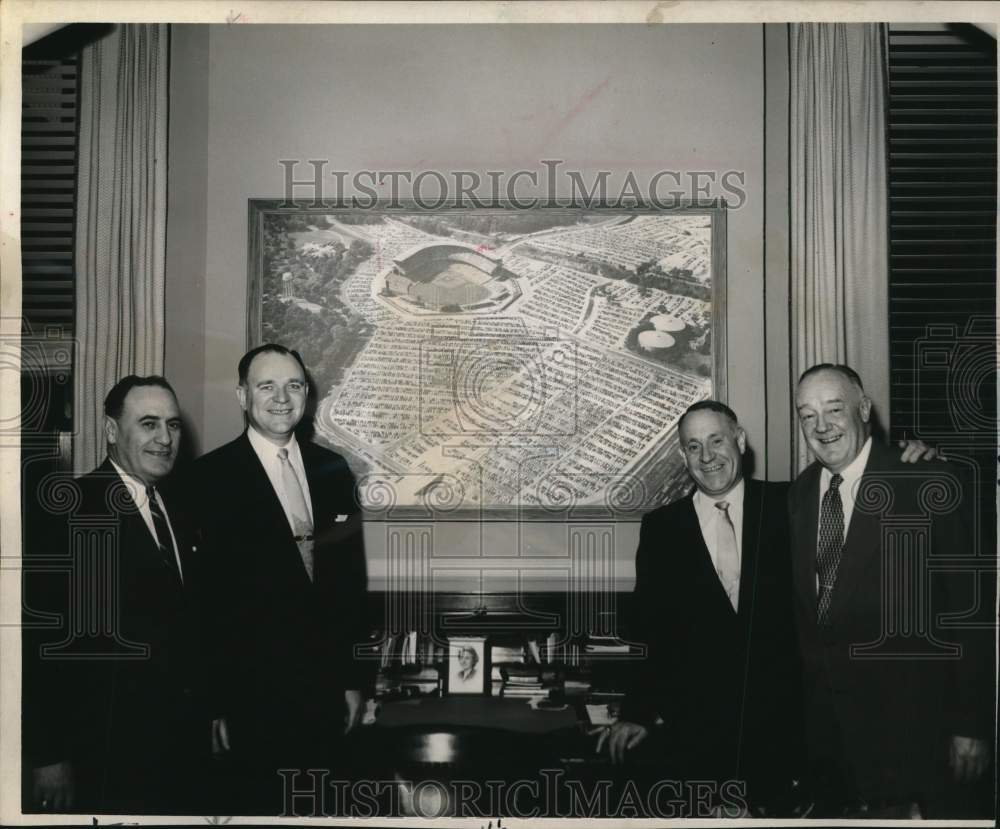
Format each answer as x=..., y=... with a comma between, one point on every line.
x=48, y=193
x=942, y=151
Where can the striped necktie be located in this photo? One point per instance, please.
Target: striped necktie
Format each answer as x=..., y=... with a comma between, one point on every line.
x=831, y=545
x=162, y=530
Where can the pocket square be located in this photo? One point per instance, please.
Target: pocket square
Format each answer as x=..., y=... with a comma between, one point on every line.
x=340, y=519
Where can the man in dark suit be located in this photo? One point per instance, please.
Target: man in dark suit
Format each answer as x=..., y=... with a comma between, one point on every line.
x=282, y=531
x=897, y=687
x=712, y=604
x=110, y=716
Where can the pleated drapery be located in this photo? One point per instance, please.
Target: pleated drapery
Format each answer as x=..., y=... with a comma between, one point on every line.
x=838, y=197
x=121, y=222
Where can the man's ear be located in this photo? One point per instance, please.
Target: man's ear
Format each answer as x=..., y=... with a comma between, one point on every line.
x=741, y=439
x=110, y=430
x=865, y=407
x=241, y=395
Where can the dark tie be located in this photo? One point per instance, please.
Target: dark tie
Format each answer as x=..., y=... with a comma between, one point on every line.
x=831, y=544
x=163, y=540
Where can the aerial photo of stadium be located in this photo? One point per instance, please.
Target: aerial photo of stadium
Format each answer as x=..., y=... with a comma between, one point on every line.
x=504, y=362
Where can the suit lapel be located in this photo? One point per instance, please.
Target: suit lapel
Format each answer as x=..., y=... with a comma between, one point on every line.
x=806, y=532
x=182, y=534
x=262, y=494
x=752, y=517
x=860, y=546
x=315, y=481
x=137, y=547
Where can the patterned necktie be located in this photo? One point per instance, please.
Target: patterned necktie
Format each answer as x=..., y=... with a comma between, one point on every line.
x=301, y=524
x=163, y=539
x=831, y=544
x=727, y=554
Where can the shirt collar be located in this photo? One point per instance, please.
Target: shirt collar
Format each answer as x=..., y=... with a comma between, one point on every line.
x=136, y=488
x=852, y=472
x=734, y=496
x=265, y=449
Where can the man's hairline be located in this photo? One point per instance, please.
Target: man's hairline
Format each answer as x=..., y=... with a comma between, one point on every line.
x=171, y=392
x=245, y=384
x=734, y=425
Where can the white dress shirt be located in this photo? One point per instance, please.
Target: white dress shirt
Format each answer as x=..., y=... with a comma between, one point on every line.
x=267, y=452
x=709, y=517
x=137, y=489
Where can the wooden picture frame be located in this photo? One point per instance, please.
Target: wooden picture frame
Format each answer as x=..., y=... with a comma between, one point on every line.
x=468, y=666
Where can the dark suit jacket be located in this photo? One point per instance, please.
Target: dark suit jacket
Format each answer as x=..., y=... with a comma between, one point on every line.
x=114, y=691
x=282, y=644
x=724, y=682
x=884, y=715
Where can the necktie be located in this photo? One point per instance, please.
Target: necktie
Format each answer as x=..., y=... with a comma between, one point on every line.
x=727, y=554
x=301, y=524
x=831, y=544
x=163, y=540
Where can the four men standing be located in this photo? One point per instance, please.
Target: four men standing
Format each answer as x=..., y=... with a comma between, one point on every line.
x=724, y=580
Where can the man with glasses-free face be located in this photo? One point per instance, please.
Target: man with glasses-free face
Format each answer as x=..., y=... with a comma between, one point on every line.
x=112, y=722
x=282, y=529
x=712, y=605
x=897, y=706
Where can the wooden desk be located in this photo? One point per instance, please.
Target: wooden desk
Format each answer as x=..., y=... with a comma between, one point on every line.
x=475, y=712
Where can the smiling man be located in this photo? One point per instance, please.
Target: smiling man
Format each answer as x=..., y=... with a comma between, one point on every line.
x=713, y=606
x=111, y=717
x=897, y=683
x=282, y=531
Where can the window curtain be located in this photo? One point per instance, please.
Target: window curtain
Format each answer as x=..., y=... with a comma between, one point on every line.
x=121, y=222
x=838, y=197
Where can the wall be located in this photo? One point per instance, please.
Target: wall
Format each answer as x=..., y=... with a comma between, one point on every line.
x=187, y=222
x=640, y=98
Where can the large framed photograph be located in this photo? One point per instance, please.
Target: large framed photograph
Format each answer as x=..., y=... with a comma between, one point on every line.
x=495, y=362
x=468, y=672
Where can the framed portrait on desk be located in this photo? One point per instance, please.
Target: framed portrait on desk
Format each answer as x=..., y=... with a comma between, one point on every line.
x=468, y=672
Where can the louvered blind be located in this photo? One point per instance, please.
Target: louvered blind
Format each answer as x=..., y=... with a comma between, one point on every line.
x=942, y=153
x=48, y=191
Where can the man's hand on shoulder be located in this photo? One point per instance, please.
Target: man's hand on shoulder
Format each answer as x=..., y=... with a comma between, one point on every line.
x=969, y=758
x=917, y=450
x=620, y=737
x=53, y=788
